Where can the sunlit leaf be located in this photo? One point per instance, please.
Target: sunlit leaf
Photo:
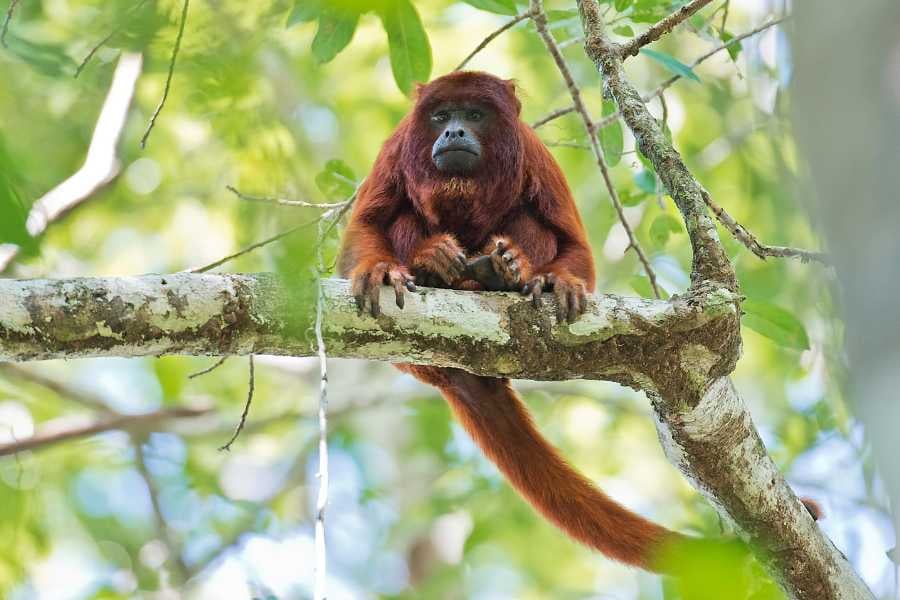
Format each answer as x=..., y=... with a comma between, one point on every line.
x=671, y=63
x=336, y=28
x=337, y=180
x=501, y=7
x=304, y=11
x=662, y=227
x=622, y=5
x=409, y=47
x=624, y=30
x=775, y=323
x=734, y=49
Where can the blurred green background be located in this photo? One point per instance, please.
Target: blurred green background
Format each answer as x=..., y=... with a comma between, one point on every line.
x=262, y=102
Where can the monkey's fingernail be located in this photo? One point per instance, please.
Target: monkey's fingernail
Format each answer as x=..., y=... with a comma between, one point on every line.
x=411, y=286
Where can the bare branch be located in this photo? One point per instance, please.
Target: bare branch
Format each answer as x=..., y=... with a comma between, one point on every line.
x=668, y=82
x=252, y=247
x=554, y=115
x=540, y=21
x=490, y=38
x=662, y=27
x=101, y=164
x=210, y=368
x=171, y=72
x=744, y=236
x=146, y=421
x=251, y=385
x=284, y=201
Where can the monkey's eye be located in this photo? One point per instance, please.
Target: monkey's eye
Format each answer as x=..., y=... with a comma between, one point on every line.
x=442, y=116
x=474, y=115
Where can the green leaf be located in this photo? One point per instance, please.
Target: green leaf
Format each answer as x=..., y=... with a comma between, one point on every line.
x=641, y=285
x=337, y=180
x=670, y=63
x=734, y=50
x=775, y=323
x=335, y=31
x=410, y=50
x=501, y=7
x=562, y=15
x=303, y=12
x=611, y=138
x=646, y=181
x=627, y=198
x=13, y=212
x=624, y=30
x=622, y=5
x=662, y=227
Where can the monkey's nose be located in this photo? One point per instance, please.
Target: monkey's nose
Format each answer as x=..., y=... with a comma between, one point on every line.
x=457, y=133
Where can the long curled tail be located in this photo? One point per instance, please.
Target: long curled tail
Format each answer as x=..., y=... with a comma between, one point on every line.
x=500, y=424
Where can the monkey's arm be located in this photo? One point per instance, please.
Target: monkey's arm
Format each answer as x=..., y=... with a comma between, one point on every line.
x=368, y=256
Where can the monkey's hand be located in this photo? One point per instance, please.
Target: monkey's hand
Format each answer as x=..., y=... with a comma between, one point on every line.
x=367, y=279
x=439, y=261
x=502, y=269
x=570, y=292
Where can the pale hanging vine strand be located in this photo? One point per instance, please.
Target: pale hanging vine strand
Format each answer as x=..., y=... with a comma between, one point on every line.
x=320, y=572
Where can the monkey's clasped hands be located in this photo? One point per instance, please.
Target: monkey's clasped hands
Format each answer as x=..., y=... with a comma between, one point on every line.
x=441, y=262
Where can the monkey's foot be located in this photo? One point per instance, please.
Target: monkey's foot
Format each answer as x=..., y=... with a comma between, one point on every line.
x=367, y=279
x=570, y=292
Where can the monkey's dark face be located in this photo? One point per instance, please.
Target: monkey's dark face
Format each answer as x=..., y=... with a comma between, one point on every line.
x=458, y=129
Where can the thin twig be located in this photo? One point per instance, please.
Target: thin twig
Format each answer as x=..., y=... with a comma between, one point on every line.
x=251, y=248
x=282, y=201
x=661, y=28
x=763, y=251
x=554, y=115
x=42, y=440
x=108, y=37
x=9, y=16
x=162, y=101
x=540, y=21
x=727, y=6
x=490, y=38
x=210, y=368
x=251, y=385
x=608, y=120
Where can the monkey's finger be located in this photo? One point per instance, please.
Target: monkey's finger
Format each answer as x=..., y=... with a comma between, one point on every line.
x=574, y=306
x=359, y=292
x=397, y=284
x=374, y=293
x=562, y=303
x=502, y=246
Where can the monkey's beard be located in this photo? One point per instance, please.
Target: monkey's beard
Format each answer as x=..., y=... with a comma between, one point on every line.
x=455, y=189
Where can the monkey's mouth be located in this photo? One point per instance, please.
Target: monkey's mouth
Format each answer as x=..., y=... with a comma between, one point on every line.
x=446, y=149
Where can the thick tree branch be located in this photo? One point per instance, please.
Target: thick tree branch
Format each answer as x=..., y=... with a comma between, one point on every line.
x=705, y=426
x=501, y=334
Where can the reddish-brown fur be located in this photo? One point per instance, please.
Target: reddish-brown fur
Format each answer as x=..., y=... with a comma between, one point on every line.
x=409, y=215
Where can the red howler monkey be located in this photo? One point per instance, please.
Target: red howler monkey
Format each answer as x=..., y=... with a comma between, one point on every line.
x=464, y=195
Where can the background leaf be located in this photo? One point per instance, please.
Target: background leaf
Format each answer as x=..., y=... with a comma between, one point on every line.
x=501, y=7
x=336, y=28
x=775, y=323
x=671, y=64
x=409, y=47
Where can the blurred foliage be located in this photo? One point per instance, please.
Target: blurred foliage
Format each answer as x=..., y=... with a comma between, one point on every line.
x=293, y=99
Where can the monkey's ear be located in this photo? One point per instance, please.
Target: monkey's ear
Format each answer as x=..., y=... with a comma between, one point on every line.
x=511, y=87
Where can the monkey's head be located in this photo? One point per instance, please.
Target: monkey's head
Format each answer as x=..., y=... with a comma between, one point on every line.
x=468, y=121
